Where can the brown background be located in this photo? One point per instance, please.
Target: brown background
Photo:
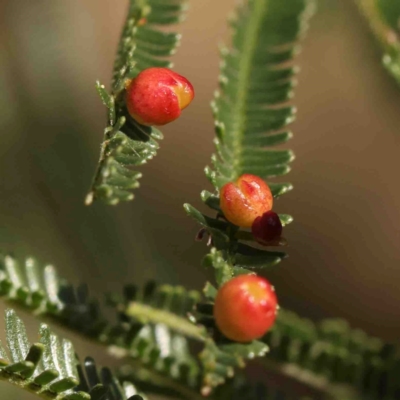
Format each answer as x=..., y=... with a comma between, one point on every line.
x=344, y=257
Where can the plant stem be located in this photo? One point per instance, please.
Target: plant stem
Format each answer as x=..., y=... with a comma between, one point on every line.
x=386, y=36
x=182, y=325
x=90, y=196
x=158, y=379
x=247, y=54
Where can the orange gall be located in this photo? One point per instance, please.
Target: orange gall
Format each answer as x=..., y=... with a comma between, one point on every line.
x=245, y=308
x=245, y=200
x=157, y=96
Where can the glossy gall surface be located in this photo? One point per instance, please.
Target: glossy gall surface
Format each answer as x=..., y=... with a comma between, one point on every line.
x=245, y=200
x=245, y=308
x=157, y=96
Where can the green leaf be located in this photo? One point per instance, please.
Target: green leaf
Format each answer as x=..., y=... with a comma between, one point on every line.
x=251, y=116
x=382, y=17
x=150, y=325
x=209, y=291
x=161, y=305
x=17, y=340
x=217, y=228
x=390, y=12
x=252, y=263
x=223, y=270
x=331, y=350
x=128, y=144
x=219, y=361
x=108, y=100
x=31, y=363
x=249, y=108
x=165, y=360
x=50, y=368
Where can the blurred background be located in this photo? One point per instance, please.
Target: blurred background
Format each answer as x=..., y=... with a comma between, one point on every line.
x=344, y=255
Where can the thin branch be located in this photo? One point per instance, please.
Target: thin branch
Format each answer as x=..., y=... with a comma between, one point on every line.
x=178, y=324
x=145, y=374
x=385, y=35
x=97, y=176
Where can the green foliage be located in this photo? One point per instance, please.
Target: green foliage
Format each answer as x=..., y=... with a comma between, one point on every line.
x=127, y=143
x=165, y=304
x=328, y=355
x=150, y=328
x=154, y=338
x=162, y=363
x=383, y=18
x=255, y=83
x=391, y=61
x=390, y=11
x=30, y=285
x=41, y=290
x=337, y=353
x=159, y=315
x=149, y=325
x=220, y=359
x=251, y=115
x=50, y=368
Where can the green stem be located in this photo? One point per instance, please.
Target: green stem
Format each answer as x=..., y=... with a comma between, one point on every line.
x=158, y=379
x=246, y=57
x=386, y=36
x=97, y=176
x=178, y=324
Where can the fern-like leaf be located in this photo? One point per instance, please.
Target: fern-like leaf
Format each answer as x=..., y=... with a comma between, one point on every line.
x=127, y=143
x=251, y=114
x=151, y=330
x=150, y=325
x=331, y=350
x=49, y=368
x=383, y=18
x=161, y=345
x=41, y=291
x=161, y=363
x=164, y=304
x=256, y=82
x=327, y=356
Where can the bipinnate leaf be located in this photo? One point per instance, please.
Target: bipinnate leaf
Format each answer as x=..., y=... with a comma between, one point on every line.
x=127, y=144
